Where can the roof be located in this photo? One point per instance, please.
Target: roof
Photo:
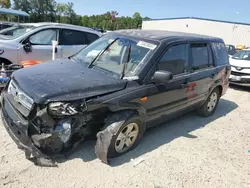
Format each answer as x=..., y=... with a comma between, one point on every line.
x=197, y=18
x=67, y=26
x=13, y=12
x=164, y=35
x=70, y=26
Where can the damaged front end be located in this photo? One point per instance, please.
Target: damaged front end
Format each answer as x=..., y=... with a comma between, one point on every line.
x=48, y=131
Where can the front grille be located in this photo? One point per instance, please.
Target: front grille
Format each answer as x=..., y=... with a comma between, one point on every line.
x=240, y=73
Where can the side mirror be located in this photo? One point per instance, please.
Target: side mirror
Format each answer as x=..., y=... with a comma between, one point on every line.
x=27, y=47
x=162, y=76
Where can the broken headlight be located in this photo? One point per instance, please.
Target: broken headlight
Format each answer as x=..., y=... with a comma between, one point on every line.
x=20, y=96
x=63, y=129
x=62, y=109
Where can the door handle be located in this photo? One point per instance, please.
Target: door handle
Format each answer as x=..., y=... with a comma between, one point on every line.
x=185, y=85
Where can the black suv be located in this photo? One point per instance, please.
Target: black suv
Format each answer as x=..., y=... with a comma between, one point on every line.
x=115, y=88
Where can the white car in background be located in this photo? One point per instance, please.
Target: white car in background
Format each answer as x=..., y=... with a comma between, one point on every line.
x=27, y=42
x=240, y=68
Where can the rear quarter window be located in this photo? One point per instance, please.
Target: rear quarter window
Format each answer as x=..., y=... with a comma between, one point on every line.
x=91, y=37
x=220, y=53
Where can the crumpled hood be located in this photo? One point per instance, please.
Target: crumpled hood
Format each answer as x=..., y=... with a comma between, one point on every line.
x=64, y=80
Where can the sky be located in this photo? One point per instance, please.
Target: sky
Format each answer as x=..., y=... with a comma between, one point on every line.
x=229, y=10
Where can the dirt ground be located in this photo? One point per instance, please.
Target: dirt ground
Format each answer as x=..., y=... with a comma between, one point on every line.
x=187, y=152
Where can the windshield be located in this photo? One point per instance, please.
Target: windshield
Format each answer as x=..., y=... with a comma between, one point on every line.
x=16, y=31
x=121, y=56
x=242, y=55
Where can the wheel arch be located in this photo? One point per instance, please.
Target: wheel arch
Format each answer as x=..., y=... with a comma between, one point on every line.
x=216, y=85
x=5, y=61
x=220, y=89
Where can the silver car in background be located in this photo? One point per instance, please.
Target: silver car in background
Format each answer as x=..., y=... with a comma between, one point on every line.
x=34, y=42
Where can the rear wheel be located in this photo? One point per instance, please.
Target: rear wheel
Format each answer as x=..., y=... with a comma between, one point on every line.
x=210, y=105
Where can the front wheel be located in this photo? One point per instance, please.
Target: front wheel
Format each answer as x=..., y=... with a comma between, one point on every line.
x=210, y=105
x=127, y=137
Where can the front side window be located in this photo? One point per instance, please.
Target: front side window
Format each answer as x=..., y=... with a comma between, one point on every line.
x=121, y=56
x=175, y=59
x=200, y=56
x=44, y=37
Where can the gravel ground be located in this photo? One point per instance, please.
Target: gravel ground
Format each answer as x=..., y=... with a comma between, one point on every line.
x=187, y=152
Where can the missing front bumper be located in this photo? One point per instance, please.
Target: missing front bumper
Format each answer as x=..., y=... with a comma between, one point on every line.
x=17, y=129
x=32, y=153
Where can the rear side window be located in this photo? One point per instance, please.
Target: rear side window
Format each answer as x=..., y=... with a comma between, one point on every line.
x=71, y=37
x=220, y=53
x=201, y=56
x=175, y=59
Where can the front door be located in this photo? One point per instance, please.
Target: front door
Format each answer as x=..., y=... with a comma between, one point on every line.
x=169, y=98
x=41, y=46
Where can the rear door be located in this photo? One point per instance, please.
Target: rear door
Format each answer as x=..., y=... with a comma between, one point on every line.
x=170, y=98
x=72, y=41
x=202, y=71
x=41, y=44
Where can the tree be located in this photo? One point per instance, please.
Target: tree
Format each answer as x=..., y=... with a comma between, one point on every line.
x=49, y=10
x=61, y=9
x=70, y=13
x=22, y=5
x=39, y=10
x=111, y=18
x=85, y=21
x=5, y=3
x=137, y=20
x=146, y=18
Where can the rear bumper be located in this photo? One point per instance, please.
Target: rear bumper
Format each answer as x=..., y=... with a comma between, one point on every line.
x=18, y=131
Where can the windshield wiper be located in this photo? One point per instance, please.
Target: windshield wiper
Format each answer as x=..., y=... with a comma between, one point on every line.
x=101, y=52
x=125, y=63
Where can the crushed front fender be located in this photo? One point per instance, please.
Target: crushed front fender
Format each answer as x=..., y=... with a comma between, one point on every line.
x=105, y=136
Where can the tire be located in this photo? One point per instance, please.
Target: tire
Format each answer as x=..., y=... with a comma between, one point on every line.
x=132, y=120
x=207, y=109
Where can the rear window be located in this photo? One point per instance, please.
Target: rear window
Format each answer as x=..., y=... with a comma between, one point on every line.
x=220, y=53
